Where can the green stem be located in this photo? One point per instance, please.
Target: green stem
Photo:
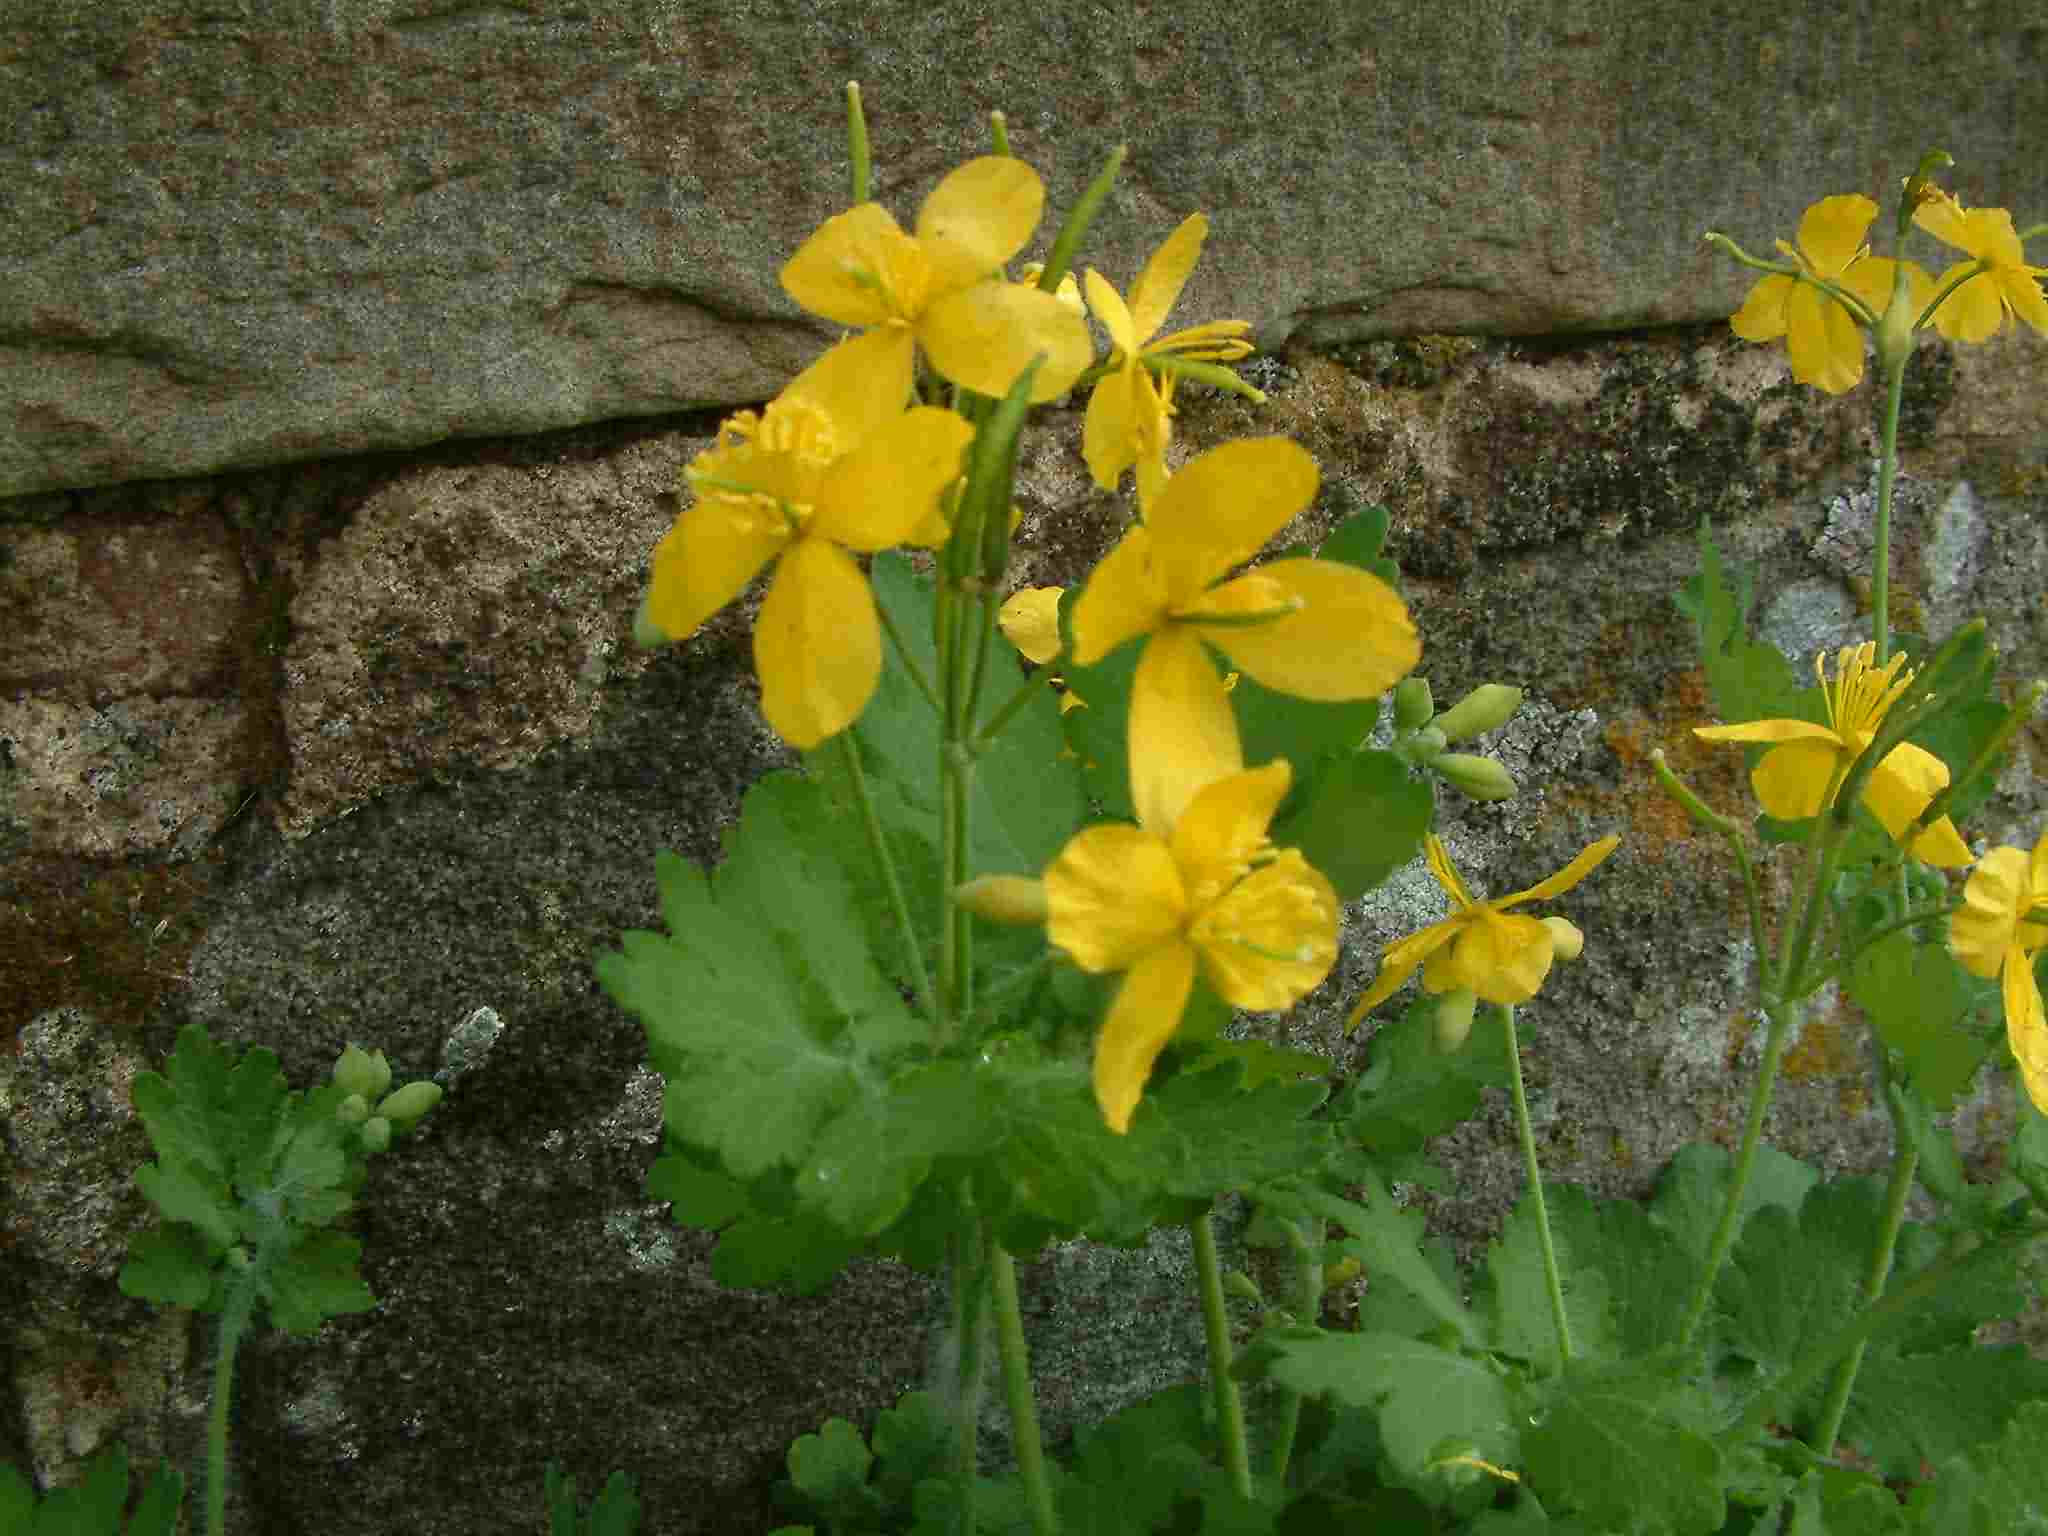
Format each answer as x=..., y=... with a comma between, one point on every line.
x=1782, y=1017
x=1000, y=720
x=898, y=907
x=1216, y=1332
x=1881, y=529
x=1308, y=1310
x=1017, y=1389
x=1905, y=1163
x=968, y=1277
x=910, y=666
x=238, y=1307
x=1533, y=1171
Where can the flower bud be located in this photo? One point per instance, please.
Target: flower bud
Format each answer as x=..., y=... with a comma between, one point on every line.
x=1015, y=899
x=1454, y=1018
x=353, y=1110
x=1240, y=1285
x=1566, y=941
x=1483, y=709
x=405, y=1107
x=376, y=1132
x=1413, y=705
x=1480, y=777
x=359, y=1071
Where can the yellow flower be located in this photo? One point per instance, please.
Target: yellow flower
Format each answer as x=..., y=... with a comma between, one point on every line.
x=942, y=288
x=1208, y=889
x=1798, y=777
x=1127, y=422
x=1030, y=620
x=1314, y=628
x=2002, y=922
x=1478, y=948
x=828, y=467
x=1977, y=310
x=1821, y=334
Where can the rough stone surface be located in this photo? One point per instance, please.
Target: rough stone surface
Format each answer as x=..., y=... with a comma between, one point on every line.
x=240, y=235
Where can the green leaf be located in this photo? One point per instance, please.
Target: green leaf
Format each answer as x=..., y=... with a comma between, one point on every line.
x=315, y=1280
x=1516, y=1294
x=1748, y=680
x=1428, y=1398
x=1359, y=541
x=912, y=1441
x=1694, y=1189
x=169, y=1265
x=830, y=1470
x=1792, y=1280
x=1624, y=1449
x=697, y=1196
x=1921, y=1003
x=185, y=1193
x=156, y=1513
x=1999, y=1488
x=17, y=1499
x=1914, y=1408
x=1360, y=818
x=1386, y=1240
x=798, y=1253
x=1411, y=1091
x=1128, y=1474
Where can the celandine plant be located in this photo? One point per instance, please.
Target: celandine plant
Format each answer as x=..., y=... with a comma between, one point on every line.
x=924, y=1007
x=957, y=988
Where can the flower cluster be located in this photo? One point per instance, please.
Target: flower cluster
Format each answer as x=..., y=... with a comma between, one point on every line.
x=1831, y=288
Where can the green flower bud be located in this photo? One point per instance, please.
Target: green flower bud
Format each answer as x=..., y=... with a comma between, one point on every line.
x=1485, y=708
x=1566, y=941
x=405, y=1107
x=1480, y=777
x=353, y=1110
x=363, y=1072
x=1014, y=899
x=376, y=1133
x=1413, y=705
x=1423, y=746
x=1240, y=1285
x=1454, y=1012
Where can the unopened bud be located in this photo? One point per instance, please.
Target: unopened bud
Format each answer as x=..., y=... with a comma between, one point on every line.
x=1480, y=777
x=1014, y=899
x=359, y=1071
x=353, y=1110
x=1454, y=1018
x=405, y=1107
x=1566, y=941
x=1413, y=705
x=1485, y=708
x=376, y=1133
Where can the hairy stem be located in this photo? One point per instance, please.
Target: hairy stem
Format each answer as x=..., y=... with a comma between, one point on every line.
x=1533, y=1171
x=1017, y=1390
x=1308, y=1309
x=1216, y=1333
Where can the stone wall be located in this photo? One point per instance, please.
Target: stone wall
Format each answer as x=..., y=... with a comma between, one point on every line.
x=313, y=743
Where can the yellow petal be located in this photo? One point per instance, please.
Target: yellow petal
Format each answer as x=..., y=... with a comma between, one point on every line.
x=1109, y=430
x=2020, y=287
x=1995, y=897
x=1124, y=598
x=978, y=218
x=1220, y=508
x=1272, y=938
x=1225, y=825
x=1762, y=316
x=983, y=336
x=1502, y=958
x=1112, y=896
x=1793, y=780
x=1942, y=217
x=1831, y=231
x=1972, y=313
x=880, y=493
x=1823, y=341
x=1400, y=962
x=859, y=268
x=1898, y=791
x=2026, y=1027
x=1767, y=731
x=861, y=384
x=1183, y=735
x=1030, y=620
x=706, y=560
x=1589, y=859
x=1146, y=1012
x=817, y=645
x=1107, y=305
x=1349, y=638
x=1153, y=294
x=1871, y=281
